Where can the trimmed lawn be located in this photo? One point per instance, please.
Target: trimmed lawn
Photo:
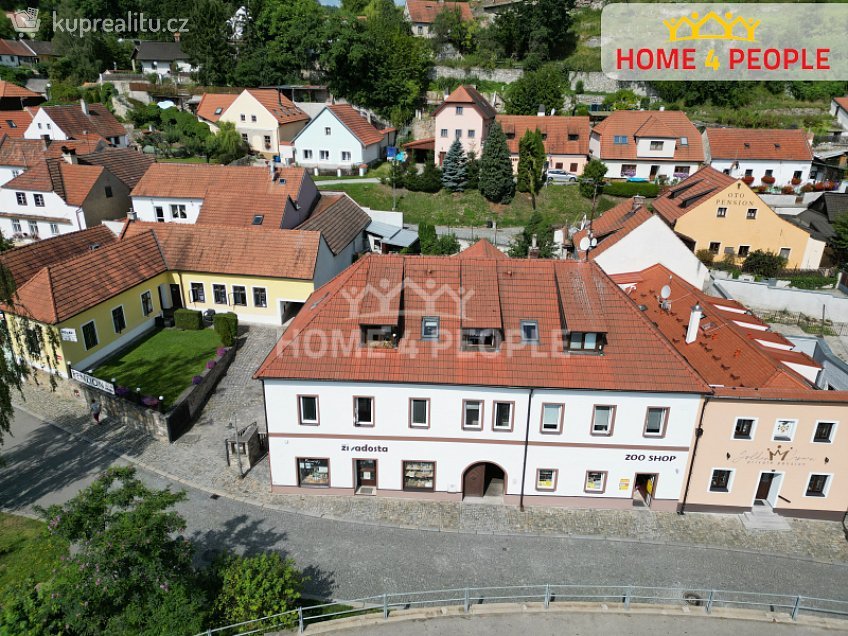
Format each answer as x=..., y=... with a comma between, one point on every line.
x=560, y=205
x=162, y=363
x=25, y=550
x=374, y=173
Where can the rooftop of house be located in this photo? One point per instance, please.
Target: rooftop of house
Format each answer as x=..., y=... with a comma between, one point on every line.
x=758, y=144
x=691, y=192
x=213, y=105
x=477, y=295
x=359, y=126
x=14, y=47
x=40, y=47
x=338, y=218
x=72, y=121
x=655, y=124
x=726, y=351
x=561, y=135
x=25, y=153
x=280, y=106
x=15, y=122
x=465, y=95
x=72, y=182
x=7, y=89
x=481, y=250
x=154, y=50
x=425, y=11
x=842, y=102
x=613, y=225
x=126, y=164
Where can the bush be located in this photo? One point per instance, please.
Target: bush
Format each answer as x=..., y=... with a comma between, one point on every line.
x=763, y=263
x=807, y=187
x=631, y=188
x=226, y=326
x=578, y=87
x=705, y=256
x=188, y=319
x=787, y=189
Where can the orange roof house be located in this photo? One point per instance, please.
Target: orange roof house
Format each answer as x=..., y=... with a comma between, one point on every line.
x=265, y=118
x=422, y=14
x=213, y=105
x=769, y=157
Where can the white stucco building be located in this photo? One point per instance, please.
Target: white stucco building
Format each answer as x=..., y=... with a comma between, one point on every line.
x=774, y=158
x=81, y=122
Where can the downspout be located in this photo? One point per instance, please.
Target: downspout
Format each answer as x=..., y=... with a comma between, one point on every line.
x=699, y=432
x=526, y=444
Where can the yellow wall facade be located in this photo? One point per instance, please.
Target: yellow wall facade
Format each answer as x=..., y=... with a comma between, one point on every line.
x=767, y=231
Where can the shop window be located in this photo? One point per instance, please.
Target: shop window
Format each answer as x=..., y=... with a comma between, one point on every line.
x=546, y=479
x=419, y=475
x=720, y=480
x=313, y=472
x=596, y=481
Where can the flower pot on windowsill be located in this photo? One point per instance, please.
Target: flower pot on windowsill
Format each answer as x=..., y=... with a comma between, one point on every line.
x=768, y=180
x=788, y=189
x=795, y=181
x=747, y=179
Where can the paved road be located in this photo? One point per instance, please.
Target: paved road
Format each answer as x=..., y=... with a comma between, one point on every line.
x=349, y=560
x=576, y=624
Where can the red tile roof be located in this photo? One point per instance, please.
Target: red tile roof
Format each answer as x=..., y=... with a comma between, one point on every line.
x=647, y=123
x=428, y=143
x=72, y=182
x=7, y=89
x=278, y=105
x=468, y=95
x=612, y=226
x=723, y=353
x=636, y=356
x=680, y=199
x=482, y=249
x=562, y=135
x=425, y=11
x=245, y=251
x=842, y=102
x=358, y=125
x=15, y=122
x=14, y=47
x=25, y=261
x=26, y=153
x=75, y=124
x=758, y=144
x=211, y=102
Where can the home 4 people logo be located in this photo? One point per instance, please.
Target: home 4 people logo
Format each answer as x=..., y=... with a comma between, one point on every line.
x=26, y=21
x=375, y=302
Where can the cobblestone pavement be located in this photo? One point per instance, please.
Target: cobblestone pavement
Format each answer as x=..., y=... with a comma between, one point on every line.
x=198, y=460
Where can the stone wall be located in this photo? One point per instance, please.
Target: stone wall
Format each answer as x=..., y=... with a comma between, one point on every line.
x=191, y=401
x=129, y=413
x=505, y=75
x=596, y=82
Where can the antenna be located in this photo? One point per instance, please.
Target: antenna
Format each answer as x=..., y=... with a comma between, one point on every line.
x=594, y=242
x=665, y=292
x=585, y=244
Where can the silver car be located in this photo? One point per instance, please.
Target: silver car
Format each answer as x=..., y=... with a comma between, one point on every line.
x=561, y=177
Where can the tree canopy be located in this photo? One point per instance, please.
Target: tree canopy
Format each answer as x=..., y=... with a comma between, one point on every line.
x=496, y=180
x=536, y=226
x=531, y=164
x=455, y=168
x=543, y=87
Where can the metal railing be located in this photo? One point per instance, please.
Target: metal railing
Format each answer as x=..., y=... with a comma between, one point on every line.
x=626, y=596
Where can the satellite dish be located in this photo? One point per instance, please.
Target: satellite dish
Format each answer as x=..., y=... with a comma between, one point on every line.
x=665, y=292
x=594, y=242
x=585, y=243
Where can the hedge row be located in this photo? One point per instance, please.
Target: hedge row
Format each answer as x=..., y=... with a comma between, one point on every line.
x=631, y=189
x=226, y=326
x=189, y=319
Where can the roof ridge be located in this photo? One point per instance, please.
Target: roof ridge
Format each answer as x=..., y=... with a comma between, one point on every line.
x=158, y=247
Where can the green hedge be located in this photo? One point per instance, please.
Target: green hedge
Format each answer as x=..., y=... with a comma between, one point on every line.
x=226, y=326
x=188, y=319
x=631, y=189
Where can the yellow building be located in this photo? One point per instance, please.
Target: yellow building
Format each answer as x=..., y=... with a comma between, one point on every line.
x=81, y=297
x=713, y=211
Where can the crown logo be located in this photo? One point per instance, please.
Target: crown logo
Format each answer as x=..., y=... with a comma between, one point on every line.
x=727, y=23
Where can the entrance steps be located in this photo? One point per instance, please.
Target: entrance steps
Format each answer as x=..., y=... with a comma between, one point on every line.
x=763, y=517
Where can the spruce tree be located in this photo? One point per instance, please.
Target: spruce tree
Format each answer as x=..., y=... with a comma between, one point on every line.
x=531, y=164
x=496, y=182
x=473, y=172
x=455, y=168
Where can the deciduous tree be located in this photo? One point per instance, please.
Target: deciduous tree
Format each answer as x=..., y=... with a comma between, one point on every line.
x=543, y=87
x=531, y=164
x=536, y=226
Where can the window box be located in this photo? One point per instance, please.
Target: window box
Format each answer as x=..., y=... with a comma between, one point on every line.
x=748, y=179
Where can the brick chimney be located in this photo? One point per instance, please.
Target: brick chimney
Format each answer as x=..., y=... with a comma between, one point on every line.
x=69, y=155
x=533, y=252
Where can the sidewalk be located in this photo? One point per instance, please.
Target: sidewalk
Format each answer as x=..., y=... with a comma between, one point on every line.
x=198, y=460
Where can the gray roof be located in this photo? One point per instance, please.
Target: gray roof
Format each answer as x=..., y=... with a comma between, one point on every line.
x=148, y=50
x=392, y=234
x=40, y=47
x=831, y=204
x=339, y=219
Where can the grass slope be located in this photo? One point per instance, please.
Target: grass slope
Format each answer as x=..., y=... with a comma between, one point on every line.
x=25, y=551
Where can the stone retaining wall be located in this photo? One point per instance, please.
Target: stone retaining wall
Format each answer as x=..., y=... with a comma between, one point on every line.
x=506, y=75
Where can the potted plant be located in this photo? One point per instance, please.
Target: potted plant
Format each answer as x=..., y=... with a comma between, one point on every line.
x=787, y=189
x=768, y=179
x=748, y=179
x=807, y=187
x=795, y=181
x=818, y=186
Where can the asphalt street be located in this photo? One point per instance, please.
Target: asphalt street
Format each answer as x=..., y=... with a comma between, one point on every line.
x=349, y=560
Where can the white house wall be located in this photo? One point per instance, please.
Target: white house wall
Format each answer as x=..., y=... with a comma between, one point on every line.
x=391, y=440
x=145, y=208
x=313, y=138
x=782, y=171
x=638, y=251
x=813, y=254
x=67, y=218
x=643, y=167
x=41, y=125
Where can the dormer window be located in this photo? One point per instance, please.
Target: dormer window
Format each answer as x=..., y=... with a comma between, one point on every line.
x=380, y=336
x=430, y=328
x=585, y=341
x=529, y=331
x=684, y=141
x=481, y=339
x=573, y=137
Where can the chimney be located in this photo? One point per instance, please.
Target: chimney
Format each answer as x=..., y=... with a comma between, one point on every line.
x=45, y=141
x=540, y=111
x=176, y=36
x=83, y=106
x=694, y=322
x=131, y=215
x=533, y=252
x=271, y=170
x=69, y=155
x=638, y=201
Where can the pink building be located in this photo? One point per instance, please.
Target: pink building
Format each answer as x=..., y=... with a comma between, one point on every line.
x=465, y=115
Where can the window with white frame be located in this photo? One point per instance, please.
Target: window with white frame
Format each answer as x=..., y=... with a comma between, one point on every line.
x=443, y=133
x=721, y=212
x=552, y=418
x=21, y=198
x=178, y=211
x=529, y=331
x=472, y=414
x=239, y=295
x=146, y=303
x=219, y=294
x=307, y=154
x=546, y=479
x=823, y=433
x=430, y=328
x=242, y=117
x=818, y=486
x=602, y=420
x=655, y=421
x=785, y=252
x=253, y=118
x=784, y=430
x=38, y=199
x=720, y=480
x=459, y=110
x=502, y=416
x=324, y=155
x=54, y=229
x=457, y=134
x=308, y=410
x=363, y=411
x=744, y=428
x=657, y=145
x=33, y=228
x=198, y=293
x=16, y=226
x=328, y=131
x=419, y=412
x=472, y=133
x=345, y=155
x=260, y=297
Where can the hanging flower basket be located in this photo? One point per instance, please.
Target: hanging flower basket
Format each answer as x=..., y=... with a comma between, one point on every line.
x=768, y=180
x=748, y=179
x=795, y=181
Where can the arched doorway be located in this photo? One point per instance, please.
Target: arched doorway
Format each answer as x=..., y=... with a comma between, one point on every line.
x=483, y=480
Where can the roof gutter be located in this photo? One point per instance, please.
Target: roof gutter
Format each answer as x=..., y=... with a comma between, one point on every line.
x=699, y=432
x=526, y=446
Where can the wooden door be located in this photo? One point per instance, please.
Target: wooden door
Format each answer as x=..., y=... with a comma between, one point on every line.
x=474, y=482
x=765, y=485
x=176, y=297
x=366, y=472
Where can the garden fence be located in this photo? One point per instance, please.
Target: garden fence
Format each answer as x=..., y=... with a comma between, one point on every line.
x=625, y=596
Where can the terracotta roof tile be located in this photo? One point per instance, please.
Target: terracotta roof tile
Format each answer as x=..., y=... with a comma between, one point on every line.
x=25, y=261
x=126, y=164
x=612, y=226
x=278, y=105
x=14, y=47
x=7, y=89
x=690, y=193
x=627, y=123
x=465, y=94
x=482, y=249
x=425, y=11
x=842, y=102
x=358, y=125
x=15, y=122
x=72, y=182
x=758, y=144
x=339, y=219
x=636, y=356
x=228, y=250
x=562, y=135
x=213, y=105
x=74, y=123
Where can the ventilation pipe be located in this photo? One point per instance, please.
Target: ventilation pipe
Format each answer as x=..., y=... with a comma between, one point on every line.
x=694, y=322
